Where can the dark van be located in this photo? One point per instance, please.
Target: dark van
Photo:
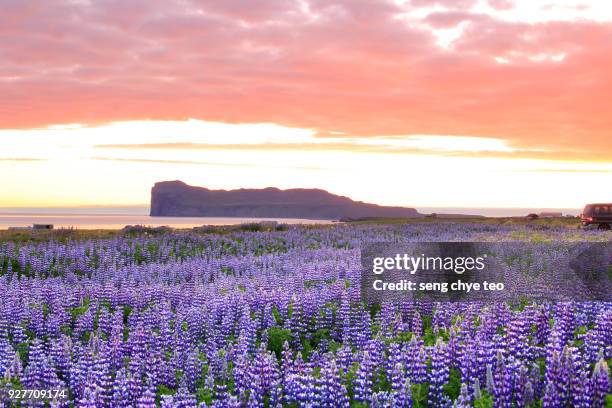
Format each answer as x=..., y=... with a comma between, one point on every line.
x=599, y=215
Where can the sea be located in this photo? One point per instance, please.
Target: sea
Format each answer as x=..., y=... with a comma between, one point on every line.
x=119, y=217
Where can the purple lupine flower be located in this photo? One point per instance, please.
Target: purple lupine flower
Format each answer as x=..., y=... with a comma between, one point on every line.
x=536, y=381
x=276, y=394
x=528, y=396
x=485, y=357
x=329, y=388
x=452, y=349
x=6, y=355
x=344, y=359
x=34, y=375
x=363, y=379
x=89, y=399
x=344, y=317
x=261, y=373
x=415, y=361
x=394, y=356
x=468, y=362
x=502, y=389
x=439, y=375
x=126, y=389
x=401, y=394
x=464, y=399
x=183, y=398
x=417, y=324
x=600, y=383
x=147, y=399
x=490, y=381
x=193, y=370
x=476, y=391
x=551, y=399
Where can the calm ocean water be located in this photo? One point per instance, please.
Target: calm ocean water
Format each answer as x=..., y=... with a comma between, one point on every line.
x=116, y=218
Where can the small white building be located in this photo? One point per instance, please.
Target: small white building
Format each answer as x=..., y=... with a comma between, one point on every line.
x=551, y=214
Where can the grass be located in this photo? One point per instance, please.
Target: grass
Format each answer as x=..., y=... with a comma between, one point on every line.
x=58, y=235
x=63, y=235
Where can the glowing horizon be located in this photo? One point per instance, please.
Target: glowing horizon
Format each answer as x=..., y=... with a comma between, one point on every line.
x=119, y=162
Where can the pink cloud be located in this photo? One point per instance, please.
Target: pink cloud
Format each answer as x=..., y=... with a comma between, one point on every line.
x=449, y=19
x=451, y=4
x=501, y=4
x=343, y=65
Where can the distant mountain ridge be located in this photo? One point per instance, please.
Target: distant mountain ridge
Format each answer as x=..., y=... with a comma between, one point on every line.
x=177, y=199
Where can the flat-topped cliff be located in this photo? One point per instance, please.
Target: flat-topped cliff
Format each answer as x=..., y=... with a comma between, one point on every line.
x=177, y=199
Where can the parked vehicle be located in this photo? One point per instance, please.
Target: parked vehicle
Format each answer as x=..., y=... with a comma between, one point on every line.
x=599, y=215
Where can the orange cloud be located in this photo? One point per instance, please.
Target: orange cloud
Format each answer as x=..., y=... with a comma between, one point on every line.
x=360, y=67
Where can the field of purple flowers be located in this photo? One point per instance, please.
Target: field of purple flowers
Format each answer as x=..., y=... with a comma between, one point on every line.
x=269, y=319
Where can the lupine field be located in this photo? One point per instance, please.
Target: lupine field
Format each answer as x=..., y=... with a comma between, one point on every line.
x=269, y=319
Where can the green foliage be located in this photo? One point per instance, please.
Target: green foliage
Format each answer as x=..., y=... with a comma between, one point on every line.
x=251, y=227
x=541, y=362
x=277, y=316
x=313, y=283
x=14, y=383
x=375, y=309
x=419, y=395
x=126, y=313
x=78, y=311
x=578, y=335
x=401, y=338
x=430, y=338
x=307, y=348
x=426, y=322
x=486, y=401
x=204, y=395
x=319, y=335
x=163, y=390
x=277, y=338
x=67, y=330
x=520, y=305
x=453, y=387
x=290, y=310
x=381, y=381
x=23, y=351
x=350, y=379
x=334, y=346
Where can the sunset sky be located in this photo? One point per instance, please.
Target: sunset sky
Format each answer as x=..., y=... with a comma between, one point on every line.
x=458, y=103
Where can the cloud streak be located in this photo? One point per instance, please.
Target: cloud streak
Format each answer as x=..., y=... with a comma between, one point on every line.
x=579, y=171
x=348, y=147
x=21, y=159
x=200, y=163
